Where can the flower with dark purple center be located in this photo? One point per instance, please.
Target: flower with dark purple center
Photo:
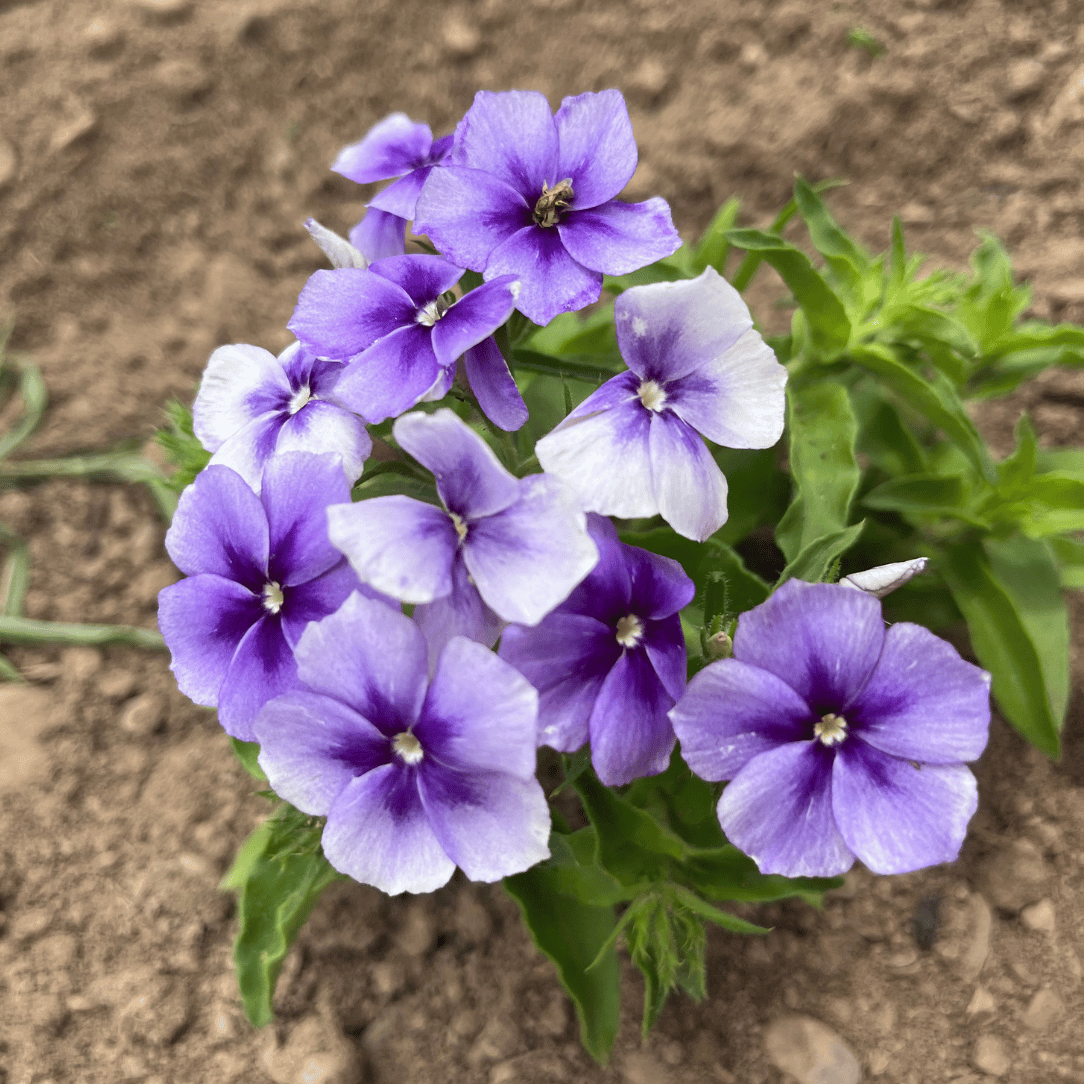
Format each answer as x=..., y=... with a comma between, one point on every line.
x=531, y=194
x=414, y=776
x=609, y=661
x=841, y=739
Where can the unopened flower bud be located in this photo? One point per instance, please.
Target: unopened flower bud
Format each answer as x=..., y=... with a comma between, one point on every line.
x=884, y=579
x=719, y=646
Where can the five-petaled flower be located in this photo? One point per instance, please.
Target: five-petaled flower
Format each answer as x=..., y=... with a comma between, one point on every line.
x=840, y=738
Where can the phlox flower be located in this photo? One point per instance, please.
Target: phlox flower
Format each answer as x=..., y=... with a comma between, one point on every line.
x=259, y=569
x=251, y=405
x=841, y=739
x=401, y=331
x=415, y=777
x=501, y=549
x=697, y=368
x=609, y=661
x=528, y=193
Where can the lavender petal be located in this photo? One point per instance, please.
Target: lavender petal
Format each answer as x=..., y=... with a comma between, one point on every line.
x=322, y=428
x=664, y=643
x=597, y=150
x=606, y=592
x=323, y=595
x=422, y=278
x=379, y=235
x=262, y=667
x=392, y=147
x=240, y=384
x=400, y=198
x=473, y=318
x=249, y=449
x=659, y=586
x=493, y=385
x=689, y=486
x=461, y=612
x=339, y=251
x=617, y=237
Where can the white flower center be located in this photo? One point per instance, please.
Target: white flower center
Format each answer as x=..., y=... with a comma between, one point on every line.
x=432, y=312
x=459, y=524
x=272, y=597
x=651, y=395
x=630, y=631
x=408, y=747
x=831, y=730
x=299, y=399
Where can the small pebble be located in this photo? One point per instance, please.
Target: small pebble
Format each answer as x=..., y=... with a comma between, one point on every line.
x=878, y=1062
x=1039, y=916
x=317, y=1052
x=1024, y=78
x=461, y=40
x=162, y=11
x=117, y=684
x=142, y=715
x=989, y=1056
x=9, y=163
x=810, y=1051
x=103, y=39
x=1015, y=876
x=981, y=1001
x=80, y=124
x=1044, y=1009
x=641, y=1068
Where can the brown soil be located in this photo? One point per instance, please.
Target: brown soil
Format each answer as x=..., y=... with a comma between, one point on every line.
x=157, y=158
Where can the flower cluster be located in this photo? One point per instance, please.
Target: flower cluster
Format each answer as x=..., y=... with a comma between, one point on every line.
x=531, y=621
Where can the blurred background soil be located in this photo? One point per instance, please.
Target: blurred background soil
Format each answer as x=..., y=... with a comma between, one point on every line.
x=157, y=159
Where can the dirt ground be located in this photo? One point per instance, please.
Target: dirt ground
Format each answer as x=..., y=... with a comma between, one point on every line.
x=157, y=158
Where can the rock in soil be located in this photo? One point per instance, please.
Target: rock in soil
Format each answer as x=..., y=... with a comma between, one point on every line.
x=810, y=1051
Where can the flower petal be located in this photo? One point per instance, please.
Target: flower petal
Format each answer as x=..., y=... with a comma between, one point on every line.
x=398, y=545
x=493, y=385
x=922, y=701
x=778, y=809
x=596, y=147
x=823, y=640
x=202, y=620
x=240, y=384
x=392, y=147
x=423, y=278
x=314, y=600
x=605, y=593
x=321, y=427
x=249, y=449
x=379, y=833
x=339, y=251
x=732, y=712
x=474, y=317
x=400, y=198
x=659, y=586
x=263, y=667
x=897, y=817
x=490, y=824
x=528, y=558
x=631, y=734
x=470, y=479
x=617, y=237
x=689, y=486
x=311, y=746
x=220, y=526
x=664, y=643
x=379, y=235
x=461, y=612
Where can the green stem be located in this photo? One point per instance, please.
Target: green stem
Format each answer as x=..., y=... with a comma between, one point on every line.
x=26, y=630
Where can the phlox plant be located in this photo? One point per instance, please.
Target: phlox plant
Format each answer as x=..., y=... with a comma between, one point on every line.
x=534, y=558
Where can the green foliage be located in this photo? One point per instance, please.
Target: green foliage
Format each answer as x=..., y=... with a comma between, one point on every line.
x=858, y=37
x=182, y=446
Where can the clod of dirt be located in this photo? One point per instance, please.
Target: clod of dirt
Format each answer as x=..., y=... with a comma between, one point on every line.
x=810, y=1051
x=1044, y=1009
x=1014, y=878
x=143, y=714
x=1039, y=916
x=24, y=714
x=315, y=1053
x=981, y=922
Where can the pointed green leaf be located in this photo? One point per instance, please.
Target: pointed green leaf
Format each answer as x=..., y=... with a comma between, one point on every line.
x=725, y=873
x=247, y=752
x=712, y=249
x=847, y=259
x=1070, y=556
x=925, y=495
x=816, y=560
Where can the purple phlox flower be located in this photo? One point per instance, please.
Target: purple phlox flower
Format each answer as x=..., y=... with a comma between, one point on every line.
x=501, y=549
x=377, y=236
x=252, y=405
x=609, y=661
x=259, y=569
x=529, y=193
x=394, y=147
x=400, y=327
x=415, y=777
x=884, y=579
x=841, y=739
x=696, y=369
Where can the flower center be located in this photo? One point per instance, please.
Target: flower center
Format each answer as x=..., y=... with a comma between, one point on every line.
x=272, y=597
x=299, y=399
x=652, y=395
x=408, y=747
x=429, y=314
x=552, y=202
x=831, y=730
x=630, y=631
x=459, y=524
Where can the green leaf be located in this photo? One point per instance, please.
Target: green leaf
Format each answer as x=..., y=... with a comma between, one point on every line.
x=1002, y=643
x=574, y=935
x=721, y=918
x=1054, y=505
x=1070, y=555
x=588, y=368
x=1019, y=468
x=725, y=873
x=34, y=397
x=247, y=752
x=28, y=630
x=816, y=560
x=730, y=588
x=890, y=445
x=713, y=248
x=847, y=259
x=671, y=268
x=823, y=431
x=925, y=495
x=573, y=862
x=758, y=491
x=15, y=575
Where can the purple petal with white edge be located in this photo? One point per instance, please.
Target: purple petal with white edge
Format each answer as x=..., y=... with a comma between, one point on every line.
x=659, y=586
x=470, y=479
x=631, y=735
x=392, y=375
x=392, y=147
x=379, y=833
x=325, y=428
x=220, y=526
x=689, y=486
x=601, y=450
x=467, y=213
x=897, y=817
x=461, y=612
x=480, y=714
x=297, y=489
x=606, y=592
x=241, y=383
x=566, y=657
x=202, y=620
x=510, y=134
x=313, y=601
x=664, y=643
x=311, y=746
x=440, y=387
x=493, y=385
x=737, y=399
x=423, y=278
x=489, y=823
x=396, y=544
x=528, y=558
x=379, y=235
x=550, y=280
x=778, y=809
x=669, y=329
x=823, y=640
x=922, y=701
x=370, y=657
x=249, y=448
x=474, y=317
x=338, y=250
x=263, y=666
x=732, y=712
x=596, y=147
x=400, y=198
x=617, y=237
x=341, y=313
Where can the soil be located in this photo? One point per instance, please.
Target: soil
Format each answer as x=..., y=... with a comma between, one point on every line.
x=157, y=158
